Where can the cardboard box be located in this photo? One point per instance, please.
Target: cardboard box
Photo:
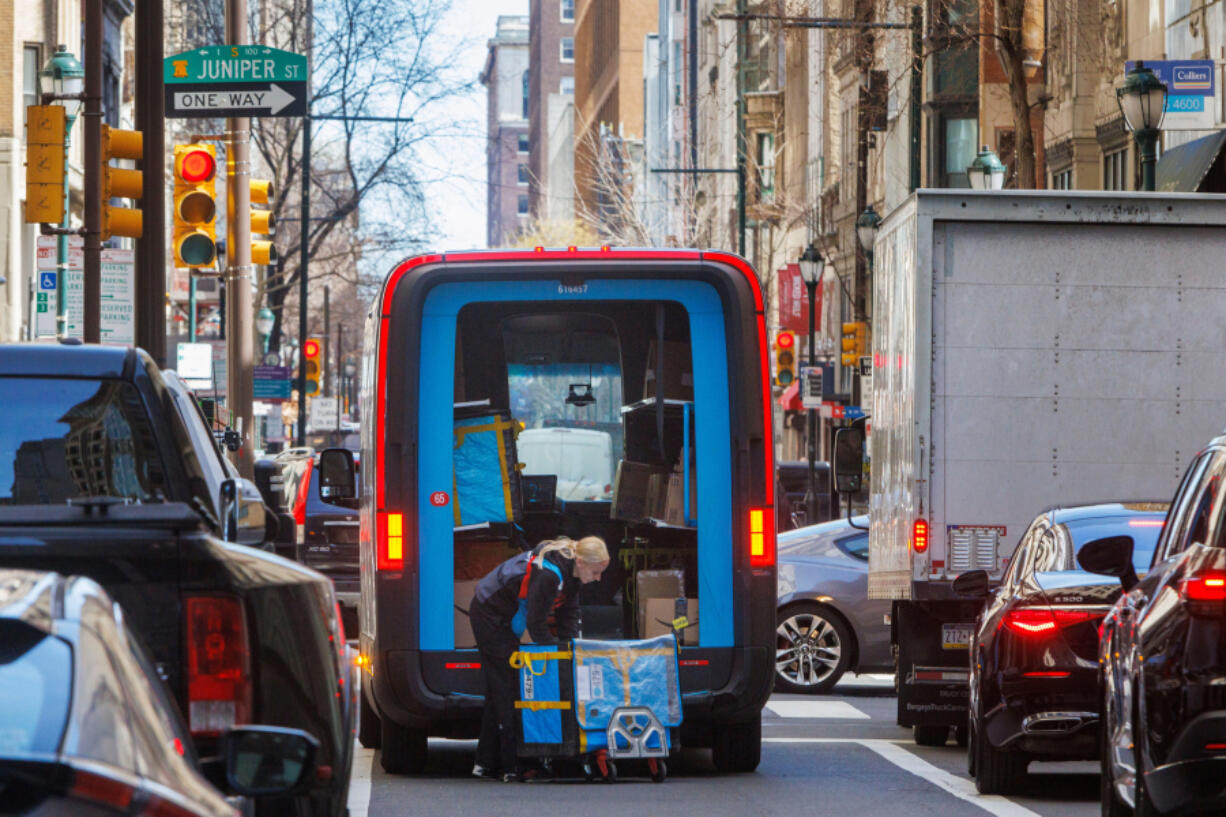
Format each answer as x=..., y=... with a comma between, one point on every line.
x=656, y=584
x=675, y=502
x=660, y=614
x=678, y=381
x=474, y=560
x=463, y=629
x=634, y=492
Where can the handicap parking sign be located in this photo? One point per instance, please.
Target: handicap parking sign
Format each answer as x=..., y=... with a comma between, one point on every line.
x=46, y=280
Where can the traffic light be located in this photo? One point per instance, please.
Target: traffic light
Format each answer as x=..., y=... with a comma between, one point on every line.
x=262, y=250
x=121, y=182
x=855, y=342
x=785, y=358
x=45, y=164
x=195, y=205
x=310, y=356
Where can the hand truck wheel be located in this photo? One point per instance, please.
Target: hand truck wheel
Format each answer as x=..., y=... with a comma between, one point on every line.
x=658, y=769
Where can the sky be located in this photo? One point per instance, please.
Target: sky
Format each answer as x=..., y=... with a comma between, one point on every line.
x=458, y=198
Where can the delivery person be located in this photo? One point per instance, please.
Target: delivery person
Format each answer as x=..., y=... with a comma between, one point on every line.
x=522, y=593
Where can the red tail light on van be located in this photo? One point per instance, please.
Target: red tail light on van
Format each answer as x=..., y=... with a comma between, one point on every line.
x=761, y=540
x=919, y=535
x=218, y=664
x=390, y=542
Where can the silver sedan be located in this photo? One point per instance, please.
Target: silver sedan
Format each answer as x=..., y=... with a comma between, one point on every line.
x=826, y=624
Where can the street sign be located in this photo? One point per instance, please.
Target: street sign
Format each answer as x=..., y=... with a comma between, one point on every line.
x=235, y=80
x=866, y=365
x=1191, y=92
x=811, y=380
x=195, y=361
x=271, y=383
x=117, y=319
x=323, y=415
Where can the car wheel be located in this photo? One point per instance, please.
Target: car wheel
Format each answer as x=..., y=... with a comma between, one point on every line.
x=998, y=771
x=970, y=749
x=403, y=751
x=737, y=746
x=368, y=723
x=1144, y=806
x=813, y=647
x=930, y=734
x=1112, y=807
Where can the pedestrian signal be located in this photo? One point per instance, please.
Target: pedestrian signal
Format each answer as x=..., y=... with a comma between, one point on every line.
x=785, y=358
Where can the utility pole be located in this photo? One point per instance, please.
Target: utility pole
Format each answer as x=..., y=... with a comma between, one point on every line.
x=325, y=371
x=742, y=47
x=240, y=323
x=91, y=289
x=304, y=253
x=150, y=287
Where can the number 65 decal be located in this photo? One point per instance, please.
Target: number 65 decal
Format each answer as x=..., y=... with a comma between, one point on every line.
x=439, y=498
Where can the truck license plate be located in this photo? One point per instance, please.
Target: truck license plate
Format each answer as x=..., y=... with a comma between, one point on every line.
x=956, y=636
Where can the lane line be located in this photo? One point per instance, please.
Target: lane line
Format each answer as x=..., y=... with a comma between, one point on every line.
x=959, y=787
x=900, y=741
x=817, y=709
x=359, y=781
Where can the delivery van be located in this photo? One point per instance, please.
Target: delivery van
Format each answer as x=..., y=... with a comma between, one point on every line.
x=473, y=362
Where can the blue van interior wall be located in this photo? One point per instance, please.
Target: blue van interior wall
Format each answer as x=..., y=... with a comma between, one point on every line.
x=712, y=438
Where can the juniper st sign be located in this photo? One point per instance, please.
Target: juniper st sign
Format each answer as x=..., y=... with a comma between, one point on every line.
x=235, y=80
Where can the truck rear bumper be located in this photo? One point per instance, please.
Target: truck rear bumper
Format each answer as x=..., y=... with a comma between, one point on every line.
x=933, y=684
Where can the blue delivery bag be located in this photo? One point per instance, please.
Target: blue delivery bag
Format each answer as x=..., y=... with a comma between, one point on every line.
x=622, y=675
x=545, y=720
x=485, y=473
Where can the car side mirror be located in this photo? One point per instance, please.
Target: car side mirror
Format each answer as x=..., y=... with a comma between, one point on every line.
x=268, y=761
x=1110, y=556
x=337, y=474
x=849, y=460
x=972, y=583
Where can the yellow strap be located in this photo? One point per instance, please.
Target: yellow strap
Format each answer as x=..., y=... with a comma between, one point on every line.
x=537, y=706
x=523, y=660
x=498, y=425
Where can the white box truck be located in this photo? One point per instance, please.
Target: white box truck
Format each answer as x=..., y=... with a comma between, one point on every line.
x=1030, y=349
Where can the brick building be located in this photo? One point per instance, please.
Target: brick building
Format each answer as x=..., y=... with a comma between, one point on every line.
x=506, y=80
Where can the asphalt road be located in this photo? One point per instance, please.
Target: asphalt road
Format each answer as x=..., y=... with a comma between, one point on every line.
x=834, y=755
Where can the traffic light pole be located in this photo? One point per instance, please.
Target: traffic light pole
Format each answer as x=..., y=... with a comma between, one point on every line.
x=150, y=288
x=91, y=290
x=240, y=341
x=304, y=245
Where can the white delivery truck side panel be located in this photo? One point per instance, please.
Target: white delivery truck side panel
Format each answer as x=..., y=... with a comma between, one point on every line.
x=1030, y=349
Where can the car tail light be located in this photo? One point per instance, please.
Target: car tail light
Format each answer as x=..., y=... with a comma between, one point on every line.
x=390, y=541
x=761, y=540
x=218, y=664
x=304, y=490
x=919, y=535
x=1206, y=593
x=1046, y=674
x=1042, y=621
x=103, y=789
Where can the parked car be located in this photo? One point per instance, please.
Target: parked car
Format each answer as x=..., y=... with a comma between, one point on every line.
x=1163, y=655
x=827, y=625
x=102, y=475
x=88, y=727
x=1034, y=650
x=325, y=525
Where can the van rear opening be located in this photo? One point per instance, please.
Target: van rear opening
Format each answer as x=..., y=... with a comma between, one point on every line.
x=533, y=400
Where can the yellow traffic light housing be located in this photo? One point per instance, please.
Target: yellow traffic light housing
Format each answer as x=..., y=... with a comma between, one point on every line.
x=46, y=163
x=121, y=182
x=785, y=358
x=195, y=206
x=855, y=342
x=263, y=251
x=311, y=350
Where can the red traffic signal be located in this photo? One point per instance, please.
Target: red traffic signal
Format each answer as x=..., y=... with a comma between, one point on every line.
x=785, y=340
x=197, y=166
x=311, y=348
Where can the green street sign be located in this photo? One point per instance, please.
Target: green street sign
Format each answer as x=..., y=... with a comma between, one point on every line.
x=235, y=80
x=225, y=64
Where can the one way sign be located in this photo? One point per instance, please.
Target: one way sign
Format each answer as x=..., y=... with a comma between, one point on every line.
x=184, y=100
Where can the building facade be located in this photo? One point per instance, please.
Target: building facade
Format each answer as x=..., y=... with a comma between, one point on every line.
x=507, y=82
x=551, y=93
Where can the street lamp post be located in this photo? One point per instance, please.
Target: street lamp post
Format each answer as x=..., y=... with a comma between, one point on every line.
x=61, y=82
x=811, y=266
x=866, y=232
x=986, y=172
x=348, y=371
x=264, y=322
x=1142, y=101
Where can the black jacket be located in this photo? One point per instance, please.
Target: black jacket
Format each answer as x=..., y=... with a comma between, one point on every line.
x=497, y=597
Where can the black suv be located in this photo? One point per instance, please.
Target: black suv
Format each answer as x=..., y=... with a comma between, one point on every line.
x=104, y=472
x=1163, y=656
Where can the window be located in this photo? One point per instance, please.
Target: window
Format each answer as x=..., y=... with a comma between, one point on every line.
x=676, y=72
x=527, y=81
x=854, y=546
x=30, y=63
x=961, y=147
x=766, y=166
x=568, y=85
x=521, y=205
x=1188, y=500
x=678, y=5
x=523, y=174
x=568, y=11
x=1062, y=179
x=568, y=49
x=523, y=143
x=1114, y=166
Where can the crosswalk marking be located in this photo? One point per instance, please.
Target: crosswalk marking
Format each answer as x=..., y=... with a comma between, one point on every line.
x=816, y=709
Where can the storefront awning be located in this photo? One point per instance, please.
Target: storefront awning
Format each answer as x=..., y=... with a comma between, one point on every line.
x=1193, y=168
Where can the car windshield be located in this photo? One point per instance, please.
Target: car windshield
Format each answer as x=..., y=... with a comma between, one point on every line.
x=66, y=438
x=35, y=680
x=1144, y=530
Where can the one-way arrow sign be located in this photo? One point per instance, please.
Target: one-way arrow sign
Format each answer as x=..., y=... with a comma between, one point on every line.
x=202, y=100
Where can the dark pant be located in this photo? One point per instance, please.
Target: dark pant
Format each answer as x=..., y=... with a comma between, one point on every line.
x=496, y=745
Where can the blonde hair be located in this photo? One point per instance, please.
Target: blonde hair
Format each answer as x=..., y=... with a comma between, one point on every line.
x=589, y=549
